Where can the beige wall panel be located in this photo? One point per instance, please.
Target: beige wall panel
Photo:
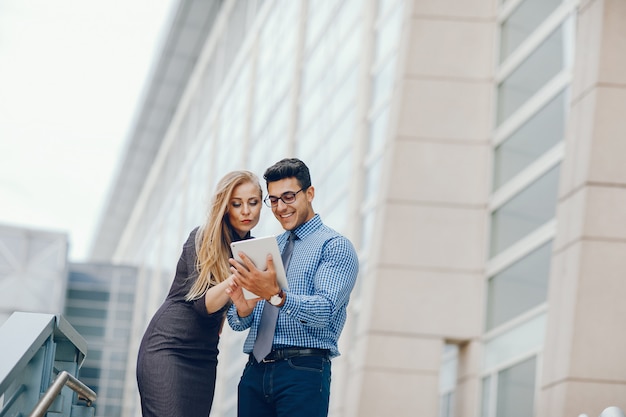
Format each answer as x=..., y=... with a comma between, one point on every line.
x=571, y=215
x=608, y=154
x=482, y=9
x=580, y=397
x=562, y=298
x=352, y=393
x=455, y=49
x=469, y=382
x=446, y=109
x=592, y=212
x=599, y=339
x=433, y=303
x=588, y=41
x=585, y=333
x=470, y=358
x=578, y=145
x=434, y=236
x=394, y=352
x=445, y=172
x=613, y=58
x=399, y=394
x=600, y=44
x=605, y=214
x=467, y=402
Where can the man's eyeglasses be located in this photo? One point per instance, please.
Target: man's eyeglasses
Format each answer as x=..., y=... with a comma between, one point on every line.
x=286, y=197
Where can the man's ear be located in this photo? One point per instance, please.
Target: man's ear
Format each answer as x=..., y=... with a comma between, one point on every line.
x=310, y=193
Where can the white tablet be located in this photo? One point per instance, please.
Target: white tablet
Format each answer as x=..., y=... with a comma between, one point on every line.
x=257, y=249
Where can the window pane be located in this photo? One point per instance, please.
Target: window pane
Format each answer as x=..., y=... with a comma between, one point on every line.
x=92, y=313
x=528, y=210
x=540, y=133
x=378, y=131
x=88, y=295
x=515, y=342
x=516, y=390
x=446, y=405
x=524, y=19
x=519, y=287
x=539, y=68
x=486, y=397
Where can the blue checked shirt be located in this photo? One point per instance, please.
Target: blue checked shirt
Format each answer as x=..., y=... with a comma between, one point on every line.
x=321, y=275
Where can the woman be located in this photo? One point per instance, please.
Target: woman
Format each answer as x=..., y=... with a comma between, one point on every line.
x=178, y=354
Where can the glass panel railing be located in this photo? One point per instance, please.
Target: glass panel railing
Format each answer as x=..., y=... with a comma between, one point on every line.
x=41, y=355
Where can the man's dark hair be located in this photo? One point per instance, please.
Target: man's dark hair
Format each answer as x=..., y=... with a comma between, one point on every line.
x=289, y=168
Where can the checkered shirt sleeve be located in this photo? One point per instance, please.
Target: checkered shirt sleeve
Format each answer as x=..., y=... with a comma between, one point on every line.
x=321, y=275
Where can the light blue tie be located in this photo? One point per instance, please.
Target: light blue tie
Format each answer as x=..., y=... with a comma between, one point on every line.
x=265, y=333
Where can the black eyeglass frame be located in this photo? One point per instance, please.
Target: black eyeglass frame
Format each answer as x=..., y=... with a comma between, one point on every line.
x=272, y=200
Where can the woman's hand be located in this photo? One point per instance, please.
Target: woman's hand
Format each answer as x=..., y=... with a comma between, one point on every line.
x=235, y=292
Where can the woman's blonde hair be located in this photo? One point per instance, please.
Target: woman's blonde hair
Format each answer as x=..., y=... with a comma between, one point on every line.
x=214, y=237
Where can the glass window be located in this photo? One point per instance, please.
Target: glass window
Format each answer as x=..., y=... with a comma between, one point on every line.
x=340, y=138
x=539, y=134
x=388, y=37
x=87, y=331
x=486, y=396
x=524, y=213
x=88, y=295
x=447, y=380
x=373, y=178
x=367, y=229
x=515, y=342
x=518, y=288
x=539, y=68
x=516, y=389
x=522, y=22
x=383, y=81
x=378, y=131
x=446, y=405
x=344, y=96
x=86, y=313
x=89, y=372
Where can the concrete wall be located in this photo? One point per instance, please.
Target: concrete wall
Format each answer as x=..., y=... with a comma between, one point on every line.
x=584, y=369
x=427, y=285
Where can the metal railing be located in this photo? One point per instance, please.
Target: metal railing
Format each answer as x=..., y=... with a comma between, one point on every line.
x=63, y=379
x=41, y=356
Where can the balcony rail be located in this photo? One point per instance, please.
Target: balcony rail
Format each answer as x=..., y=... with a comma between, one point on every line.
x=41, y=356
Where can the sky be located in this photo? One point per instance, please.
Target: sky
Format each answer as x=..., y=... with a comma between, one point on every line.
x=72, y=73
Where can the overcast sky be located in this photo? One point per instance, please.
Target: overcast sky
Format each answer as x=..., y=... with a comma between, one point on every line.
x=71, y=75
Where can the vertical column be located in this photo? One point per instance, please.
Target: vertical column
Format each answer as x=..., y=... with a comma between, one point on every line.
x=427, y=278
x=584, y=369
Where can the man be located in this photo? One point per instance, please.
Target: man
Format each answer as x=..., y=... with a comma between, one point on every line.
x=293, y=379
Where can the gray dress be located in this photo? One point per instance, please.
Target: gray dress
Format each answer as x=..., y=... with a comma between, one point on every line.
x=177, y=357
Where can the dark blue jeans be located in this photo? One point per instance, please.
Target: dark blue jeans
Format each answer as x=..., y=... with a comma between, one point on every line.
x=297, y=386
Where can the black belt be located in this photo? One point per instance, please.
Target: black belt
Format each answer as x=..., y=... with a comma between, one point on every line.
x=287, y=353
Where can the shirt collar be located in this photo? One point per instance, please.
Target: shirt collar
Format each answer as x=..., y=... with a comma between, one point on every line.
x=307, y=228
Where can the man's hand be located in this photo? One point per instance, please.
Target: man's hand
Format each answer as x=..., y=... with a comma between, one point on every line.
x=248, y=276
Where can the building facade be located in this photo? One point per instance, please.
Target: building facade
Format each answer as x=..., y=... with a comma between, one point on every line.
x=472, y=150
x=100, y=306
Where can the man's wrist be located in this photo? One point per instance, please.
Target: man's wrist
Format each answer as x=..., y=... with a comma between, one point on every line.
x=278, y=299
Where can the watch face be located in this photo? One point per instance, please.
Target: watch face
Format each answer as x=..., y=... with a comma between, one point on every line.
x=275, y=300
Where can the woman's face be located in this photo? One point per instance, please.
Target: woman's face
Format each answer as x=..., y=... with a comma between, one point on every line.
x=244, y=208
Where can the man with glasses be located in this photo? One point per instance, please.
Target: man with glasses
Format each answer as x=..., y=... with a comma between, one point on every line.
x=291, y=375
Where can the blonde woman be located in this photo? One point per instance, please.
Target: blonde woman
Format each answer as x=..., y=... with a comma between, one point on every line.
x=177, y=357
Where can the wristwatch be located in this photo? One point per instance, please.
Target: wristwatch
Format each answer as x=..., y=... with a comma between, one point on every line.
x=277, y=299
